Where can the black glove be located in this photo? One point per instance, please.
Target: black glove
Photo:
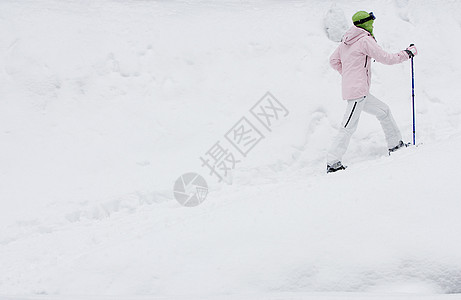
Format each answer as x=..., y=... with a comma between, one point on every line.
x=411, y=51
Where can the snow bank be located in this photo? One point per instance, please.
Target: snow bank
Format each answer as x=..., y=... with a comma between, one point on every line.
x=104, y=104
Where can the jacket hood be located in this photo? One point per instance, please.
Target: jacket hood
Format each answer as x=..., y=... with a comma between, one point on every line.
x=354, y=34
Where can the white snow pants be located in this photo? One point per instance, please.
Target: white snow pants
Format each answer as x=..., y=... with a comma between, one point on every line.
x=371, y=105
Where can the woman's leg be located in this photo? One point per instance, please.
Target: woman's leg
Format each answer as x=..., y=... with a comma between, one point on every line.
x=382, y=112
x=348, y=127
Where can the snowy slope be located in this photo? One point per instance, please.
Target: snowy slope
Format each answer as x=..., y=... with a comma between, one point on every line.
x=104, y=104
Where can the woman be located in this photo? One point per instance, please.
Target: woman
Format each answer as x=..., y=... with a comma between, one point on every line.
x=352, y=59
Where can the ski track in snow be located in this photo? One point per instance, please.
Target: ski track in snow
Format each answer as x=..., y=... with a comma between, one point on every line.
x=104, y=104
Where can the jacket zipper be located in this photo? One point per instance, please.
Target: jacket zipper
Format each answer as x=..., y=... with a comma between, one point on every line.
x=366, y=60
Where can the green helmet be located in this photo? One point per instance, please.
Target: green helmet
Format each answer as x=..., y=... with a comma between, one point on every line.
x=364, y=20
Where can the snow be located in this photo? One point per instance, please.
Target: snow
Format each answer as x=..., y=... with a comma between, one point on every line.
x=104, y=104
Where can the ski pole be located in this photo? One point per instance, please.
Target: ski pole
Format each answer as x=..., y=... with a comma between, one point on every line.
x=413, y=96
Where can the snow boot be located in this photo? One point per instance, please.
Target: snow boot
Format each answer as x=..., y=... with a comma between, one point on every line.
x=400, y=145
x=335, y=167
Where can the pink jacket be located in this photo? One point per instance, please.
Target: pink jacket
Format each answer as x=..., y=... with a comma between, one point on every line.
x=352, y=59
